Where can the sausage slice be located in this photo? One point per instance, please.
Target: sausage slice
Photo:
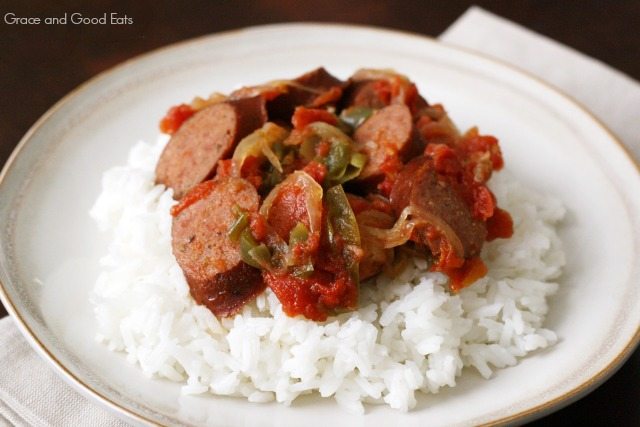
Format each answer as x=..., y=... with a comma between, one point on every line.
x=210, y=260
x=441, y=207
x=364, y=93
x=314, y=89
x=387, y=132
x=192, y=154
x=378, y=93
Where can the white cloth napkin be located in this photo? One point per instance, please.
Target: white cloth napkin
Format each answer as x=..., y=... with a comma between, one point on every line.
x=31, y=394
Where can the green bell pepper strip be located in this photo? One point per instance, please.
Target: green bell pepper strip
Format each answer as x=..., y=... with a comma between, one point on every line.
x=355, y=116
x=342, y=221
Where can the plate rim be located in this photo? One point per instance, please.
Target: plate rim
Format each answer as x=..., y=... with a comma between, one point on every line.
x=85, y=389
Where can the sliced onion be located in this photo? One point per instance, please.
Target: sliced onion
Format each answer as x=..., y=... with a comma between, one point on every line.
x=199, y=103
x=378, y=74
x=397, y=235
x=272, y=88
x=269, y=90
x=400, y=233
x=394, y=78
x=259, y=144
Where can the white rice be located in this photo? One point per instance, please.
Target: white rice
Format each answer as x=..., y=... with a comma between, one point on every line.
x=408, y=335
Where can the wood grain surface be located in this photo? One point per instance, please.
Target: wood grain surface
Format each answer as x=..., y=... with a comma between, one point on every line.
x=41, y=63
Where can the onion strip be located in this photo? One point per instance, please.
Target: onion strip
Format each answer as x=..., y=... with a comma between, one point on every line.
x=410, y=218
x=258, y=144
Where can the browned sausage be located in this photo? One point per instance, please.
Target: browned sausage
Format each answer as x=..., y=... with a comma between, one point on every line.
x=192, y=154
x=210, y=260
x=387, y=133
x=435, y=127
x=316, y=88
x=378, y=94
x=418, y=186
x=364, y=94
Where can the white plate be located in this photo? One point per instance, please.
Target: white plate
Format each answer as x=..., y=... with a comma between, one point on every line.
x=549, y=142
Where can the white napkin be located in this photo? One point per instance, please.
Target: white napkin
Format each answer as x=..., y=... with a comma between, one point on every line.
x=31, y=394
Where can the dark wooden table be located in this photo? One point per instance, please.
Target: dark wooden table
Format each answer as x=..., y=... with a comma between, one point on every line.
x=41, y=63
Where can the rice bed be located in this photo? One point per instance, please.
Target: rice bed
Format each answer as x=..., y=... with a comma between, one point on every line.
x=409, y=334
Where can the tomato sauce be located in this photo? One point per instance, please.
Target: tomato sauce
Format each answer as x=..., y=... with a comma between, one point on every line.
x=175, y=117
x=314, y=297
x=251, y=171
x=465, y=167
x=258, y=227
x=198, y=192
x=500, y=225
x=314, y=274
x=316, y=170
x=390, y=167
x=329, y=288
x=327, y=97
x=289, y=207
x=461, y=277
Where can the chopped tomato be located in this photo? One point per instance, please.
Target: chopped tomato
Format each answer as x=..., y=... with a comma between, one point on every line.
x=390, y=167
x=327, y=97
x=258, y=227
x=174, y=118
x=296, y=296
x=302, y=116
x=318, y=171
x=251, y=171
x=483, y=203
x=500, y=225
x=476, y=146
x=445, y=160
x=472, y=270
x=288, y=209
x=330, y=287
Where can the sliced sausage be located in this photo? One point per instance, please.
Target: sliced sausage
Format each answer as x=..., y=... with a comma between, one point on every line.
x=192, y=154
x=440, y=207
x=365, y=93
x=387, y=133
x=378, y=93
x=435, y=127
x=314, y=89
x=210, y=260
